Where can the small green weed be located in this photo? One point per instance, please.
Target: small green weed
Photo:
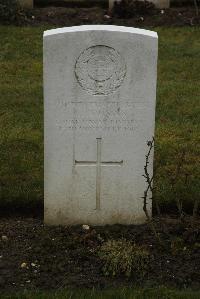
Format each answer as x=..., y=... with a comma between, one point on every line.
x=177, y=246
x=123, y=257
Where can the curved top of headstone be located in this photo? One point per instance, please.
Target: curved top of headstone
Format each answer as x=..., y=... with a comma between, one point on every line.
x=108, y=28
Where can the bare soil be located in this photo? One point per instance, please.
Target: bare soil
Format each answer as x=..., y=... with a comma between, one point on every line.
x=35, y=256
x=62, y=16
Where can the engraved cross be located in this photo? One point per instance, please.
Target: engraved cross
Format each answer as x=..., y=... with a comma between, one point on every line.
x=98, y=163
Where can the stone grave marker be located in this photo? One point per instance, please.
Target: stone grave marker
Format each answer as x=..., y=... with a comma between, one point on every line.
x=27, y=4
x=99, y=98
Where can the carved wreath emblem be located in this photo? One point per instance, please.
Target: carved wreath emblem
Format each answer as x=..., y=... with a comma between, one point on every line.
x=100, y=70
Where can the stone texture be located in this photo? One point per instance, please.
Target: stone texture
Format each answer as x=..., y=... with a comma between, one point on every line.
x=161, y=3
x=26, y=3
x=111, y=4
x=99, y=94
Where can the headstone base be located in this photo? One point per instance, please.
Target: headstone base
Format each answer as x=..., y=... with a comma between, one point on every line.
x=26, y=3
x=161, y=3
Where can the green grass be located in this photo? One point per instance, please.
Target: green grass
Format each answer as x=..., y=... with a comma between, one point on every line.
x=21, y=114
x=161, y=293
x=21, y=139
x=178, y=112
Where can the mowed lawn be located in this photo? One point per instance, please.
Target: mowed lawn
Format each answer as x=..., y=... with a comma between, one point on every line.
x=21, y=116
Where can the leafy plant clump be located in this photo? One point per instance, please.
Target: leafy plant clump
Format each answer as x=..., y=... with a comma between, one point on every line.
x=131, y=8
x=10, y=11
x=123, y=257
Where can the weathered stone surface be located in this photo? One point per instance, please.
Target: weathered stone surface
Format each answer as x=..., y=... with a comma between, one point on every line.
x=161, y=3
x=26, y=3
x=99, y=92
x=111, y=4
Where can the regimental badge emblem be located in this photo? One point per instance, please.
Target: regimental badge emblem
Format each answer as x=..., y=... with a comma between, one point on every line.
x=100, y=70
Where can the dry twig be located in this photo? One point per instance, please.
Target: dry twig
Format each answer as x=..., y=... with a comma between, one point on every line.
x=149, y=181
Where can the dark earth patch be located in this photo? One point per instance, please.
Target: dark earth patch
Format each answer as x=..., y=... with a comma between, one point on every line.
x=33, y=255
x=62, y=16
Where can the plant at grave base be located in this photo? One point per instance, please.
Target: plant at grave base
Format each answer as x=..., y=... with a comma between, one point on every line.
x=123, y=257
x=130, y=8
x=148, y=178
x=149, y=181
x=177, y=246
x=10, y=11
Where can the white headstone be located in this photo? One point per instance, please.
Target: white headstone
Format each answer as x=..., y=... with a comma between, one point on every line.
x=99, y=93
